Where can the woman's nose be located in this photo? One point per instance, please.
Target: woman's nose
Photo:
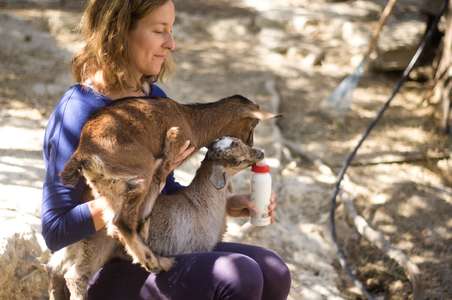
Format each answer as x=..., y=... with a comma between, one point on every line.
x=170, y=43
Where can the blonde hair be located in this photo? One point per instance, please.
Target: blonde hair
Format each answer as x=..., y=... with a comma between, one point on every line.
x=105, y=27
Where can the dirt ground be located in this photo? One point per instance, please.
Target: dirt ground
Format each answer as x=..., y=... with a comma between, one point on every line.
x=403, y=180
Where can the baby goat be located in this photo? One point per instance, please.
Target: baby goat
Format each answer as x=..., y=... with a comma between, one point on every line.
x=192, y=219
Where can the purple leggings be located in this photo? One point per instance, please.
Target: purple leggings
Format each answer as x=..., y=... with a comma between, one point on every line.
x=231, y=271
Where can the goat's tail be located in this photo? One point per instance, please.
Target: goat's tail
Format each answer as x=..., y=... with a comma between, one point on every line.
x=72, y=171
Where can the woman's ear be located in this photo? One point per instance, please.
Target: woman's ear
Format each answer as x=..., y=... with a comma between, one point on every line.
x=218, y=177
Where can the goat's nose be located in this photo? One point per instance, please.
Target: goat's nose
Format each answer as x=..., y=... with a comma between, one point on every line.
x=258, y=154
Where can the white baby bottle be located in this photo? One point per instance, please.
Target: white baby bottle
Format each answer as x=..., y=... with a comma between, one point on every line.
x=261, y=191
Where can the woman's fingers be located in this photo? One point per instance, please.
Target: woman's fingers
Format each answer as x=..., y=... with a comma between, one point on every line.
x=184, y=147
x=272, y=208
x=251, y=207
x=187, y=152
x=184, y=152
x=239, y=206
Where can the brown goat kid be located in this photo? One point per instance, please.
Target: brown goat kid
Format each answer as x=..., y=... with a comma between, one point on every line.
x=123, y=158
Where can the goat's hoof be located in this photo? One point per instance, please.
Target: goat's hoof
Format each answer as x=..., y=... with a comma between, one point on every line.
x=149, y=268
x=172, y=133
x=152, y=268
x=150, y=263
x=166, y=263
x=163, y=264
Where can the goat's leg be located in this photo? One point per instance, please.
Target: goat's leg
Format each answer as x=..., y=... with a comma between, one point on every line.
x=125, y=195
x=77, y=283
x=168, y=156
x=137, y=202
x=166, y=263
x=57, y=287
x=162, y=171
x=125, y=227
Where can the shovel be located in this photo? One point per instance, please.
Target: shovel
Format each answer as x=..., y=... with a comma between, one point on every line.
x=341, y=97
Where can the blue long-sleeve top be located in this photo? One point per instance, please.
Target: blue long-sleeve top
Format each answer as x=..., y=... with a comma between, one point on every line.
x=65, y=217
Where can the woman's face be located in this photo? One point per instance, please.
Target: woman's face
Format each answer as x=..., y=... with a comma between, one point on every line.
x=151, y=40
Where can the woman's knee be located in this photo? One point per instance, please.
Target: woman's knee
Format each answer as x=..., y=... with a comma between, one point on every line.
x=276, y=264
x=240, y=277
x=276, y=275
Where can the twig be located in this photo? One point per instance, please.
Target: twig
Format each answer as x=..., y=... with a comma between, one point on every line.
x=378, y=239
x=400, y=158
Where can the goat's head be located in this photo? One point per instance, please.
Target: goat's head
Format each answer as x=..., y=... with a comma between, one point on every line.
x=230, y=155
x=245, y=115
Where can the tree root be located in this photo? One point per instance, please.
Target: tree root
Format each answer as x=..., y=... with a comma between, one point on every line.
x=378, y=239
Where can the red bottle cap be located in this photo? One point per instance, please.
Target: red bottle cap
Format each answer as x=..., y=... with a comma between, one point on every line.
x=260, y=168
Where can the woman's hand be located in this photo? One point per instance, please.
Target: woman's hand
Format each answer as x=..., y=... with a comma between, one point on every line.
x=97, y=208
x=184, y=152
x=241, y=206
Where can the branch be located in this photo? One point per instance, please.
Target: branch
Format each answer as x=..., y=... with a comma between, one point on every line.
x=378, y=239
x=399, y=158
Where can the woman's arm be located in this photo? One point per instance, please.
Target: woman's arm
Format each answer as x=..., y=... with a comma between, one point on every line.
x=64, y=215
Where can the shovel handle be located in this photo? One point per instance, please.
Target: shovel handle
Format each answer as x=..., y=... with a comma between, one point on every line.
x=376, y=33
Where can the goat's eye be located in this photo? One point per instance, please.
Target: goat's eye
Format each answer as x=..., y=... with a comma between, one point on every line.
x=233, y=161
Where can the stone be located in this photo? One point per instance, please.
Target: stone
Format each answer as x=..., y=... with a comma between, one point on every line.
x=22, y=257
x=272, y=38
x=355, y=34
x=229, y=29
x=398, y=42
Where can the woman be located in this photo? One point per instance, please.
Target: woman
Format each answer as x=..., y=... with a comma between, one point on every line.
x=128, y=48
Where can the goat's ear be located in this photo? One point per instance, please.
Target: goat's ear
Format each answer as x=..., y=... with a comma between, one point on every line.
x=218, y=177
x=261, y=115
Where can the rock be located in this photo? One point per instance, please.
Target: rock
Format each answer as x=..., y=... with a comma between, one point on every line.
x=272, y=19
x=272, y=38
x=22, y=257
x=229, y=29
x=355, y=34
x=398, y=43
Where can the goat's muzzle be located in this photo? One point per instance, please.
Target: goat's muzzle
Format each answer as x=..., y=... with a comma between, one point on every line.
x=258, y=154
